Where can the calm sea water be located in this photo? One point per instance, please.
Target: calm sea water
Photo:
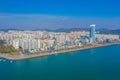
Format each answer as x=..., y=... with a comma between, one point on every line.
x=92, y=64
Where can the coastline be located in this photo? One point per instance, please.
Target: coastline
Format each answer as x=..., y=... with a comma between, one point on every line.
x=34, y=55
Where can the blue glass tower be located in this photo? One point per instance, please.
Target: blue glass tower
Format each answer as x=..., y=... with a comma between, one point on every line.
x=92, y=33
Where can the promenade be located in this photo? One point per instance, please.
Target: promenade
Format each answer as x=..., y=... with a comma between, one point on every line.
x=33, y=55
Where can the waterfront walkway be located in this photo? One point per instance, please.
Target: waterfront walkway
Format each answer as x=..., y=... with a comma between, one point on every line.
x=25, y=56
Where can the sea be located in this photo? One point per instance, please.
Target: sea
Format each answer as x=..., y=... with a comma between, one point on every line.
x=92, y=64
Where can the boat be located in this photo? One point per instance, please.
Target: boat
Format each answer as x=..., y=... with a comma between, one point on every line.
x=0, y=59
x=11, y=61
x=4, y=60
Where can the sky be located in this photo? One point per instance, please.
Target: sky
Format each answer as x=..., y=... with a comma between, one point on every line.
x=55, y=14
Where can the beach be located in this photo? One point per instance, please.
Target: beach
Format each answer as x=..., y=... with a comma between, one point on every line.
x=33, y=55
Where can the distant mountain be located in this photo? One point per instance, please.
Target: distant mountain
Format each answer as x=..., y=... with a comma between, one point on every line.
x=107, y=31
x=101, y=31
x=63, y=29
x=6, y=30
x=71, y=29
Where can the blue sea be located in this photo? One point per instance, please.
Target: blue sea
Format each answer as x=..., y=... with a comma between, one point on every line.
x=92, y=64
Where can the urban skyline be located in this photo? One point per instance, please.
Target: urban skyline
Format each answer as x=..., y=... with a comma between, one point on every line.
x=59, y=39
x=42, y=41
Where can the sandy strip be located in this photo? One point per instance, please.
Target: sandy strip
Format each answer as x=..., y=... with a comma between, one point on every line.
x=22, y=56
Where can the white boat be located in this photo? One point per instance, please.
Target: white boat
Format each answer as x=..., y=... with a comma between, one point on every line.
x=4, y=60
x=11, y=61
x=0, y=59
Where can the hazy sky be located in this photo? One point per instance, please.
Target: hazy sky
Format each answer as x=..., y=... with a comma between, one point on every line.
x=53, y=14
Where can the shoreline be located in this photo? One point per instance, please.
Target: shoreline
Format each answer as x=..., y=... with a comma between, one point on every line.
x=34, y=55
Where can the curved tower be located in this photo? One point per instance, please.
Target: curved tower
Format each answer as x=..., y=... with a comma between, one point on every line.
x=92, y=33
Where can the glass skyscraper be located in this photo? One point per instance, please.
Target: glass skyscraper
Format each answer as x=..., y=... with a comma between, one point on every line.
x=92, y=33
